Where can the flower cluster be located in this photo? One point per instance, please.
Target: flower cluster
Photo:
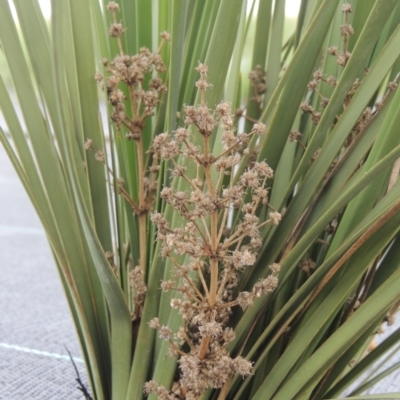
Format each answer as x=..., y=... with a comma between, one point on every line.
x=132, y=71
x=205, y=282
x=319, y=79
x=345, y=31
x=307, y=266
x=258, y=82
x=134, y=89
x=126, y=84
x=342, y=57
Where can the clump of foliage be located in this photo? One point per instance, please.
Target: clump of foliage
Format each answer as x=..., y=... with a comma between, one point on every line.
x=209, y=248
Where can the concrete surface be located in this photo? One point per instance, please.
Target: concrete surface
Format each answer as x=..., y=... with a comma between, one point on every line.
x=35, y=322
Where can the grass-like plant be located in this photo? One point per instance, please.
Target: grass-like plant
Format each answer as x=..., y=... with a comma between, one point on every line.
x=234, y=233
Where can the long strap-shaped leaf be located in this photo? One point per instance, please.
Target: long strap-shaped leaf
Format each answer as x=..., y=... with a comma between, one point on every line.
x=52, y=192
x=309, y=237
x=120, y=319
x=332, y=145
x=377, y=396
x=389, y=263
x=294, y=304
x=283, y=105
x=322, y=311
x=316, y=365
x=144, y=346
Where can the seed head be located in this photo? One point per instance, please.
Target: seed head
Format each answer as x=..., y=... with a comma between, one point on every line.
x=112, y=6
x=294, y=136
x=346, y=30
x=166, y=36
x=116, y=30
x=275, y=217
x=392, y=86
x=346, y=8
x=259, y=128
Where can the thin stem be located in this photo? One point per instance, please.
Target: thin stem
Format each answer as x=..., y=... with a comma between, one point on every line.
x=229, y=242
x=224, y=280
x=230, y=304
x=214, y=229
x=223, y=223
x=176, y=348
x=160, y=46
x=143, y=214
x=213, y=282
x=194, y=287
x=194, y=298
x=120, y=48
x=345, y=38
x=134, y=107
x=192, y=156
x=128, y=198
x=206, y=229
x=203, y=282
x=207, y=169
x=233, y=146
x=225, y=389
x=220, y=178
x=139, y=103
x=205, y=342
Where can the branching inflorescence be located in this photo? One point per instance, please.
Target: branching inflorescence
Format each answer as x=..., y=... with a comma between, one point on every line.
x=207, y=258
x=319, y=79
x=206, y=279
x=131, y=73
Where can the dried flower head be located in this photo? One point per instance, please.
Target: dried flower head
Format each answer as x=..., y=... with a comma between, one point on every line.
x=112, y=6
x=259, y=128
x=275, y=217
x=294, y=136
x=88, y=144
x=307, y=266
x=333, y=51
x=342, y=58
x=116, y=30
x=100, y=156
x=307, y=108
x=318, y=75
x=392, y=86
x=205, y=284
x=134, y=90
x=258, y=82
x=324, y=102
x=136, y=280
x=346, y=30
x=331, y=80
x=165, y=35
x=346, y=8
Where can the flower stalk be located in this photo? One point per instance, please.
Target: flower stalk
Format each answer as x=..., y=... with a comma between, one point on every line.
x=206, y=281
